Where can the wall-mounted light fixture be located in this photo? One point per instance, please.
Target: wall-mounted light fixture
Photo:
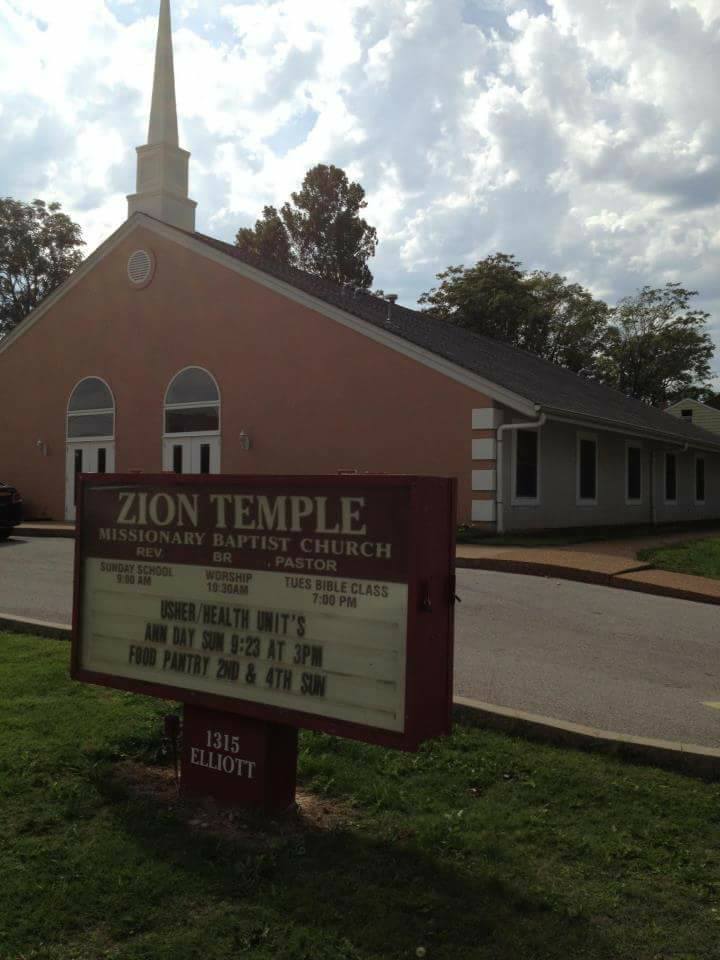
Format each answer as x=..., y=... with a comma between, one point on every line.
x=42, y=447
x=245, y=441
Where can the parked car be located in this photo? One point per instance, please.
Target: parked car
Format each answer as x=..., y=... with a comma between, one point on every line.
x=10, y=510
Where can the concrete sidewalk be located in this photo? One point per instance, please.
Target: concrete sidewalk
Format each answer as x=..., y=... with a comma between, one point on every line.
x=587, y=566
x=632, y=546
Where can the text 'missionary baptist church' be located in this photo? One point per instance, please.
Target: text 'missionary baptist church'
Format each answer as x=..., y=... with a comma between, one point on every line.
x=169, y=350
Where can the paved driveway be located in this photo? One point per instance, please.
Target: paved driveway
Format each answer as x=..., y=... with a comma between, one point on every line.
x=36, y=578
x=614, y=659
x=619, y=661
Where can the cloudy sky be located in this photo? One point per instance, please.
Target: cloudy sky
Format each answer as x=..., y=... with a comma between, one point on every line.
x=581, y=135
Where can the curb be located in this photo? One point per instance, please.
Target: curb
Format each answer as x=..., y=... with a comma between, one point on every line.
x=532, y=568
x=39, y=628
x=686, y=758
x=30, y=530
x=658, y=590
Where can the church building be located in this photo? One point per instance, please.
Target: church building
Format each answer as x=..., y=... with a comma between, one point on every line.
x=168, y=350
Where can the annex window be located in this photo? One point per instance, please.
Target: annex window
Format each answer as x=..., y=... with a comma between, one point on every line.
x=700, y=480
x=670, y=478
x=633, y=474
x=192, y=403
x=587, y=469
x=91, y=411
x=686, y=414
x=526, y=450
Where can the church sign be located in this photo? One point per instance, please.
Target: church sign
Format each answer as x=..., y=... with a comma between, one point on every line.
x=269, y=603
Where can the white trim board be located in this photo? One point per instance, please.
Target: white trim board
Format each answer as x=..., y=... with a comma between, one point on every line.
x=484, y=480
x=484, y=449
x=487, y=418
x=484, y=511
x=364, y=327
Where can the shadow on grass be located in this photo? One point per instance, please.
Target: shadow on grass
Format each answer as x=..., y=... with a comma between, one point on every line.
x=384, y=896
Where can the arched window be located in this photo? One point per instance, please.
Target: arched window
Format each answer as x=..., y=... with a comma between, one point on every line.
x=192, y=403
x=91, y=411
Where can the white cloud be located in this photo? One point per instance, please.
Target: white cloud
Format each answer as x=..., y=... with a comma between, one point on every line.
x=582, y=136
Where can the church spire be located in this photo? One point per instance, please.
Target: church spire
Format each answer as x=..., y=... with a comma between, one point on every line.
x=163, y=116
x=162, y=172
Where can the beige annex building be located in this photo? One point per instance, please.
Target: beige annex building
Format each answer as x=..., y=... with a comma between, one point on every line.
x=698, y=413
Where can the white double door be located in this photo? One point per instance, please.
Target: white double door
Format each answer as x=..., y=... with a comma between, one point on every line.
x=191, y=455
x=97, y=456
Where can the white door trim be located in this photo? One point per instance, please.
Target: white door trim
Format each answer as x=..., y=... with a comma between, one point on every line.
x=90, y=449
x=192, y=453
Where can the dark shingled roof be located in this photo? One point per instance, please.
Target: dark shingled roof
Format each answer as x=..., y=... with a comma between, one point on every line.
x=551, y=388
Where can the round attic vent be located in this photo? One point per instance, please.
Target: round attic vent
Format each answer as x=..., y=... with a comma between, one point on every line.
x=140, y=268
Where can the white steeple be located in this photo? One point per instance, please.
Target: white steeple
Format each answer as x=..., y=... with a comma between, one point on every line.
x=162, y=171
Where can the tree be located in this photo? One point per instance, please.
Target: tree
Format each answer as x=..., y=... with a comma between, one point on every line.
x=268, y=240
x=539, y=312
x=320, y=231
x=39, y=249
x=489, y=298
x=656, y=348
x=569, y=323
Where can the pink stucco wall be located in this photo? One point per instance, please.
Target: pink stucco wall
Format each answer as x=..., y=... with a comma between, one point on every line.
x=314, y=396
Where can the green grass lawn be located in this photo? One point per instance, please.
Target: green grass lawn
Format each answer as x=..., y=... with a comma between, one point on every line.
x=480, y=847
x=698, y=557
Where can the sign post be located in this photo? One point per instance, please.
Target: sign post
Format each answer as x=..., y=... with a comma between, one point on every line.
x=268, y=604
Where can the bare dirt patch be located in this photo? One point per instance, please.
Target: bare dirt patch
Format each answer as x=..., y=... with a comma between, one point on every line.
x=311, y=813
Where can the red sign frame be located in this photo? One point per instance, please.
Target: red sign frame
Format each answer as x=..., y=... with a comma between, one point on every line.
x=430, y=615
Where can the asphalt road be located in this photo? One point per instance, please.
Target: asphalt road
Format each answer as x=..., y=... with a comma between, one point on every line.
x=617, y=660
x=36, y=578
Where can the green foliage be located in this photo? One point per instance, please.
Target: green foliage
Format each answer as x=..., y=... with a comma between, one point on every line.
x=700, y=558
x=39, y=249
x=268, y=240
x=656, y=347
x=569, y=323
x=478, y=847
x=320, y=231
x=539, y=312
x=490, y=298
x=652, y=346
